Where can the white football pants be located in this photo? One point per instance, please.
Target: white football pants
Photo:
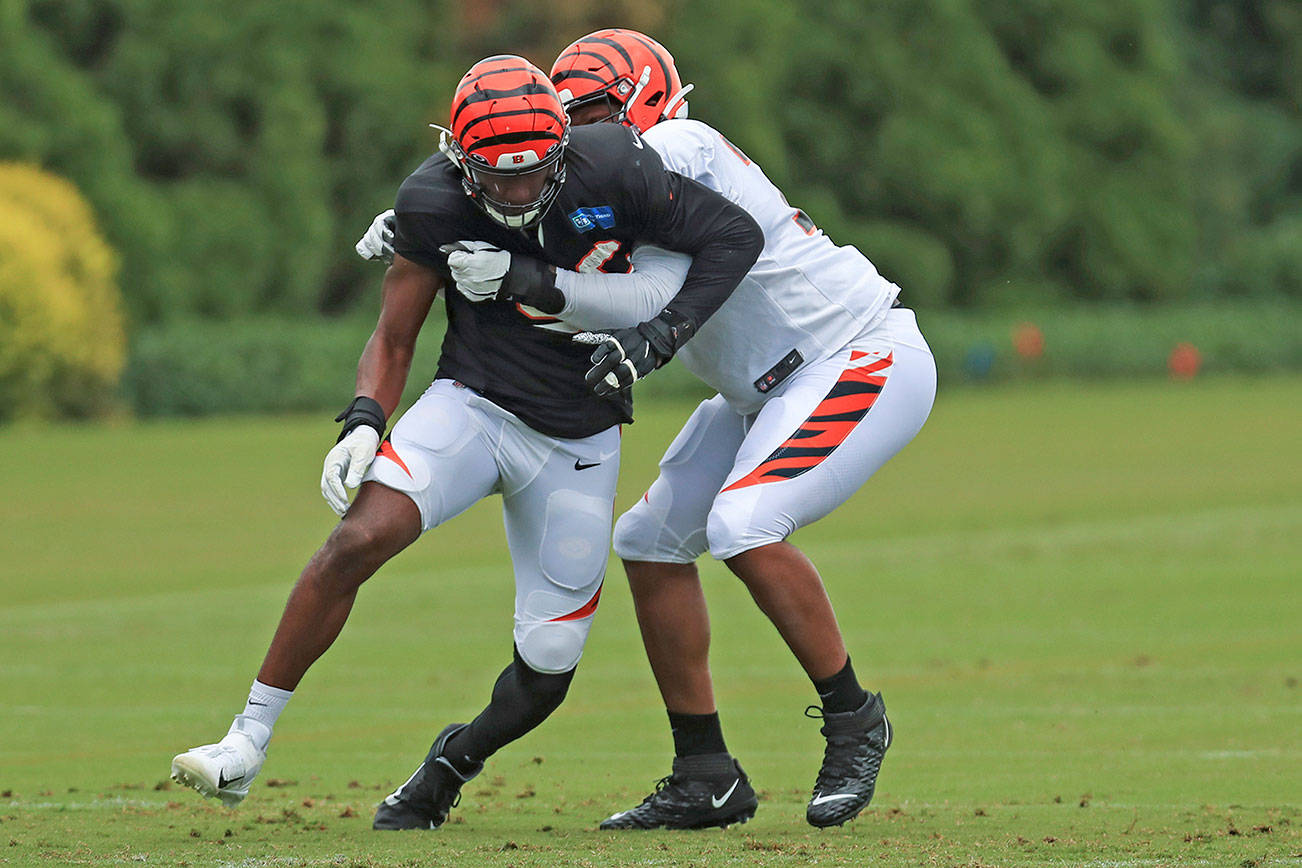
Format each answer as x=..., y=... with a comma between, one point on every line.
x=730, y=483
x=454, y=447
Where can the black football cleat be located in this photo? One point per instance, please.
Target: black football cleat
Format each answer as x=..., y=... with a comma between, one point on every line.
x=434, y=789
x=856, y=742
x=703, y=792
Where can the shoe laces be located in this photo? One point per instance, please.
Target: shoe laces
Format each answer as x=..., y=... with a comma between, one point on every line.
x=840, y=738
x=438, y=796
x=667, y=791
x=847, y=754
x=662, y=784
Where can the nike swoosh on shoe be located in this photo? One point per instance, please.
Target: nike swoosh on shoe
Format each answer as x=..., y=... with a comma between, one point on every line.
x=822, y=800
x=718, y=802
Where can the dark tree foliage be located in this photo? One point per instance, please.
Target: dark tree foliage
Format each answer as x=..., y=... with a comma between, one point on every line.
x=979, y=152
x=256, y=140
x=1002, y=152
x=1246, y=57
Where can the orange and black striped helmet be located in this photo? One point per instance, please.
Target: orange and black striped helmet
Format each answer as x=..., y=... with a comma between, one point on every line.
x=508, y=134
x=628, y=72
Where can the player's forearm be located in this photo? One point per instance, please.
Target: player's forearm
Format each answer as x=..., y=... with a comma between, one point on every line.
x=409, y=289
x=382, y=371
x=599, y=301
x=725, y=242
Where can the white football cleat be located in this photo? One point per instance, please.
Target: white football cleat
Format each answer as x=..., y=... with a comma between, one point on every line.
x=223, y=770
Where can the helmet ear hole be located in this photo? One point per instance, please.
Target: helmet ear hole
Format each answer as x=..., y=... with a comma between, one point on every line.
x=654, y=99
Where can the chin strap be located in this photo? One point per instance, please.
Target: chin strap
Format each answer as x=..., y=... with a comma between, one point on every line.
x=632, y=98
x=448, y=145
x=676, y=105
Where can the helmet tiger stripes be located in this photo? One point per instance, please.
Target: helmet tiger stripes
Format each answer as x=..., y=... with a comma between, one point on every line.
x=627, y=72
x=508, y=134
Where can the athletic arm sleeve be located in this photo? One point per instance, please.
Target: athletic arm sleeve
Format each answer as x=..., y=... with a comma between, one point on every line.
x=596, y=301
x=725, y=242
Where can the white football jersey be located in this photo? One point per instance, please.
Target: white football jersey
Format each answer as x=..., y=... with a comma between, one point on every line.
x=804, y=293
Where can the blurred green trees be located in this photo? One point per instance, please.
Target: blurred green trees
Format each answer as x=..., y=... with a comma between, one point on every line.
x=234, y=153
x=983, y=154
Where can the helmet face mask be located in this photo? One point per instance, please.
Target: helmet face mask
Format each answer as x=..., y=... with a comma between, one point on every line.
x=598, y=107
x=508, y=136
x=625, y=70
x=516, y=199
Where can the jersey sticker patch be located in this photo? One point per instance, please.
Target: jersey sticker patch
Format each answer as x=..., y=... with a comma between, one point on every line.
x=587, y=219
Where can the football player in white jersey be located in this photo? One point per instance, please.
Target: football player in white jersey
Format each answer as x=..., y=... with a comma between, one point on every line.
x=821, y=379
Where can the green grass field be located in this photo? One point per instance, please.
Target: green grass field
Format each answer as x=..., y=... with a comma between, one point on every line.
x=1082, y=603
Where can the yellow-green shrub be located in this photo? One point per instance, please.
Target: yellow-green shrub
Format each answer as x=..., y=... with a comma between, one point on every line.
x=62, y=343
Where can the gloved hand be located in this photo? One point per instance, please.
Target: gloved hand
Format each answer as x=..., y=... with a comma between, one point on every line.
x=625, y=356
x=377, y=243
x=351, y=457
x=485, y=272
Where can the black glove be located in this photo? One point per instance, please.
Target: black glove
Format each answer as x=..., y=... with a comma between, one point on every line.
x=628, y=355
x=533, y=282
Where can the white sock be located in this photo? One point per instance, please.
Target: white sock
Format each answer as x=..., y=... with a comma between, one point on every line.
x=264, y=705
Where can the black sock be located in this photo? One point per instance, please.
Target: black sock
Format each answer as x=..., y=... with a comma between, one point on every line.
x=841, y=692
x=522, y=699
x=696, y=734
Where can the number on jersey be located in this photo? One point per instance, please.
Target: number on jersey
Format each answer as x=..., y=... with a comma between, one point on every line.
x=600, y=254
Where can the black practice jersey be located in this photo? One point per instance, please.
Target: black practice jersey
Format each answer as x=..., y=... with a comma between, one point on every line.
x=616, y=192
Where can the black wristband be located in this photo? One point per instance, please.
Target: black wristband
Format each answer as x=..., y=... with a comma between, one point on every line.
x=362, y=411
x=533, y=282
x=666, y=333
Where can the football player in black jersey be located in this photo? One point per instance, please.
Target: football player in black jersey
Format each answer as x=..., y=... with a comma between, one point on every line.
x=510, y=409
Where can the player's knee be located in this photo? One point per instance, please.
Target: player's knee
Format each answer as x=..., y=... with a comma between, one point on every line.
x=350, y=542
x=632, y=530
x=645, y=533
x=552, y=647
x=730, y=532
x=351, y=555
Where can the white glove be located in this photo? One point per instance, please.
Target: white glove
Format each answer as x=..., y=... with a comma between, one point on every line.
x=478, y=268
x=377, y=243
x=346, y=464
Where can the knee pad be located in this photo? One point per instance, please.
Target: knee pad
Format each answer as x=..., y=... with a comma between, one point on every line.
x=633, y=531
x=646, y=532
x=552, y=647
x=573, y=549
x=721, y=537
x=735, y=526
x=547, y=687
